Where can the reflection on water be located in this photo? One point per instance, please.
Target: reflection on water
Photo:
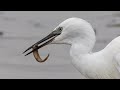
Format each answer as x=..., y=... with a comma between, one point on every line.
x=21, y=29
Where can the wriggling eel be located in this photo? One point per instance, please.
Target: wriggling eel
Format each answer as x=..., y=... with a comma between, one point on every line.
x=37, y=56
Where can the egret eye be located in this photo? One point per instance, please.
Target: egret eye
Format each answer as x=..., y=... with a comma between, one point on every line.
x=60, y=28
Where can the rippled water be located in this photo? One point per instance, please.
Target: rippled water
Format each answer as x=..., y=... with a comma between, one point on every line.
x=18, y=30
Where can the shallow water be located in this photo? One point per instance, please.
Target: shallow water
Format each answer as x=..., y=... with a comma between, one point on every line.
x=22, y=29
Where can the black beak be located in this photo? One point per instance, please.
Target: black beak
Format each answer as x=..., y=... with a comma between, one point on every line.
x=48, y=39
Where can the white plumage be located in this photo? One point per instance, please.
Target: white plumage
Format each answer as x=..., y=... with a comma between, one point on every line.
x=99, y=65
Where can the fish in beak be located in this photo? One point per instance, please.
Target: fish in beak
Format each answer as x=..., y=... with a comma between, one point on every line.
x=43, y=42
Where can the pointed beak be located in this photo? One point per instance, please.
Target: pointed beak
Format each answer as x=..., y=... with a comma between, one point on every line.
x=43, y=42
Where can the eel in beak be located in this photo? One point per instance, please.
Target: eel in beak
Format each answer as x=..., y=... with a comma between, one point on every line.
x=37, y=56
x=43, y=42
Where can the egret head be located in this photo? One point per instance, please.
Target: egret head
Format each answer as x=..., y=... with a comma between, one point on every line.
x=72, y=30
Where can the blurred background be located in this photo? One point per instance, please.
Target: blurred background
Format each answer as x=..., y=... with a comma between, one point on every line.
x=21, y=29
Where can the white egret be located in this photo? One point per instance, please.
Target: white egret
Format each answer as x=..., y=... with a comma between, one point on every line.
x=80, y=35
